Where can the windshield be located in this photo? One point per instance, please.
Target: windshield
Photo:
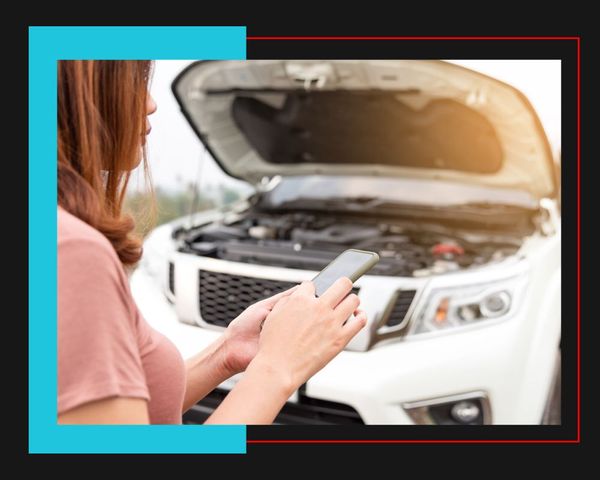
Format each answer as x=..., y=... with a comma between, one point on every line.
x=395, y=190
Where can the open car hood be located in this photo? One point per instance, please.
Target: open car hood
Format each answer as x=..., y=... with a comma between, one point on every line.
x=393, y=118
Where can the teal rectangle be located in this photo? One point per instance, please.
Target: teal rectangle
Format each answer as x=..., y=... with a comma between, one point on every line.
x=46, y=46
x=139, y=439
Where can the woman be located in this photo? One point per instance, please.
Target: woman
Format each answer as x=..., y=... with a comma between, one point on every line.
x=112, y=366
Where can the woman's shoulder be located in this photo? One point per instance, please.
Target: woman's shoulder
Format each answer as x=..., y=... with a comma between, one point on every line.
x=71, y=230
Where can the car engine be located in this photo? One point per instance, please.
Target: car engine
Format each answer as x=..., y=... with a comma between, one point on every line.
x=310, y=241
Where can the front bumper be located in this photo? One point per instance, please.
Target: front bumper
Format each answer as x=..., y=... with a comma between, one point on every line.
x=496, y=361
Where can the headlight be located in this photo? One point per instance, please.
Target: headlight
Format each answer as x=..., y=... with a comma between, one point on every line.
x=448, y=308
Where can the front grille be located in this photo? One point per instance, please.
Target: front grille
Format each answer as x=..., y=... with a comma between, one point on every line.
x=222, y=296
x=400, y=305
x=172, y=277
x=308, y=411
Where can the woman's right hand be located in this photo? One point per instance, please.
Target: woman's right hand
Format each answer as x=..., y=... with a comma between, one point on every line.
x=303, y=333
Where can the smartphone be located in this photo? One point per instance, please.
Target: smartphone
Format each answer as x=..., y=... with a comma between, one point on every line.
x=350, y=263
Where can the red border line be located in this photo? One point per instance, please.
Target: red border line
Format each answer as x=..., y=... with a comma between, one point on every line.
x=409, y=441
x=404, y=38
x=578, y=40
x=578, y=238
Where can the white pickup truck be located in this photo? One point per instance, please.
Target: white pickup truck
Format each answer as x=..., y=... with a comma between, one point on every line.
x=445, y=172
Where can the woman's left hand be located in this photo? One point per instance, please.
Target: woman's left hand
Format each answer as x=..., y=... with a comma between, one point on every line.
x=241, y=336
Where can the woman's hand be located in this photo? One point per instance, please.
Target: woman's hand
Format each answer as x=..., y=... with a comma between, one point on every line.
x=300, y=335
x=230, y=353
x=242, y=334
x=303, y=333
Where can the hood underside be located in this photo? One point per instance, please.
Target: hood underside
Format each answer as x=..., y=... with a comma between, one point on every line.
x=392, y=118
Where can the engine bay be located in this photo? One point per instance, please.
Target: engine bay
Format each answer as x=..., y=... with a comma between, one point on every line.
x=308, y=240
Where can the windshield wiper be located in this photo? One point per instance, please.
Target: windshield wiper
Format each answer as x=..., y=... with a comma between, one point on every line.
x=487, y=212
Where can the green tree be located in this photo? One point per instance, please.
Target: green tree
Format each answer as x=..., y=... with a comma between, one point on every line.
x=168, y=205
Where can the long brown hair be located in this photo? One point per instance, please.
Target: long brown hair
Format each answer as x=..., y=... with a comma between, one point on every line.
x=101, y=124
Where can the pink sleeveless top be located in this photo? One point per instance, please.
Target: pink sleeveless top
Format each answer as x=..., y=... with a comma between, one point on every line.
x=105, y=348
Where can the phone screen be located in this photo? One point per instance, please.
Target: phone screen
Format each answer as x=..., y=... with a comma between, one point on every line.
x=351, y=264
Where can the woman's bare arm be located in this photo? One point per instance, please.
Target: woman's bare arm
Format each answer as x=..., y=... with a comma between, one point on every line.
x=204, y=372
x=231, y=353
x=299, y=337
x=257, y=398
